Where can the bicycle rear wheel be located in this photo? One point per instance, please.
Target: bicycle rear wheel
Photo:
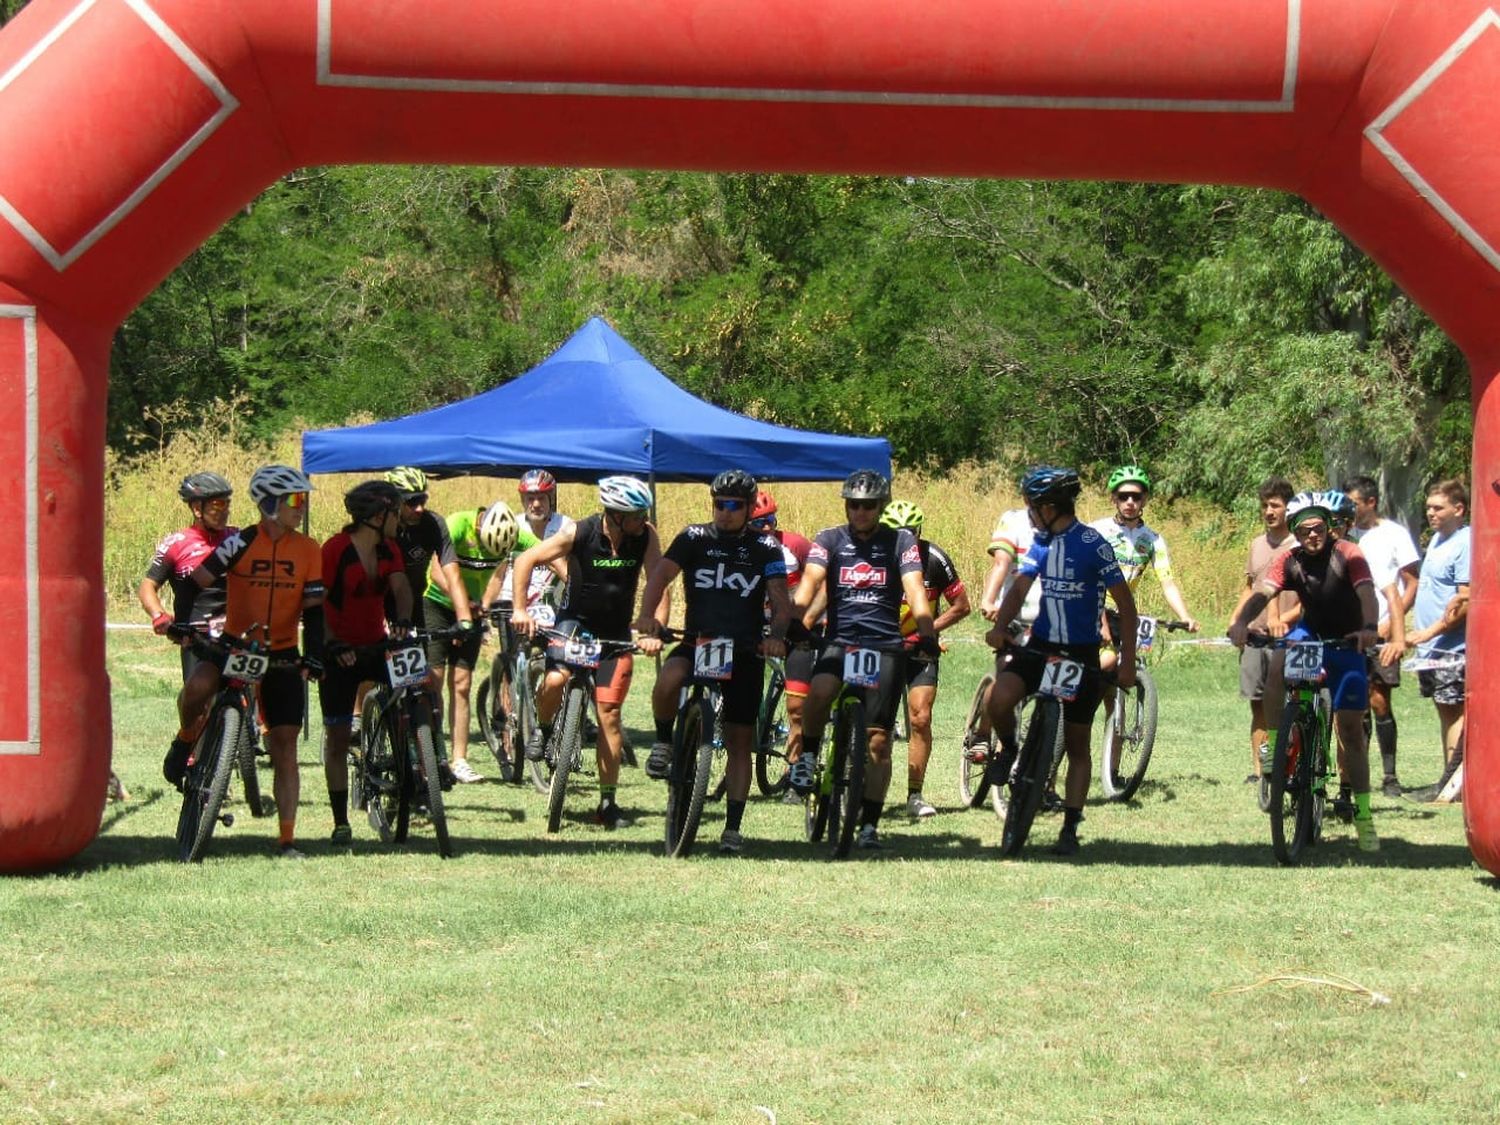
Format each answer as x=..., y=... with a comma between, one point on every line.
x=524, y=678
x=852, y=736
x=1291, y=809
x=567, y=752
x=249, y=777
x=1129, y=736
x=1043, y=729
x=771, y=731
x=207, y=783
x=489, y=701
x=692, y=763
x=421, y=727
x=978, y=746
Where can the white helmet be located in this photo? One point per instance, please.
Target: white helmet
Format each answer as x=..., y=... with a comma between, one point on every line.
x=498, y=530
x=624, y=494
x=1308, y=506
x=270, y=483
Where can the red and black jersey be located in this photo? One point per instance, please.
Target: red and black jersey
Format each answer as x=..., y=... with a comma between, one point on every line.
x=1326, y=583
x=354, y=602
x=177, y=556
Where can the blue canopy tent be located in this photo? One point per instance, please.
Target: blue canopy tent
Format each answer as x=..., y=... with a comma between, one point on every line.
x=595, y=406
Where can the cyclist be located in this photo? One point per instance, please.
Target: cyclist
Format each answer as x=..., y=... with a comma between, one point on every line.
x=482, y=540
x=1394, y=560
x=538, y=489
x=797, y=667
x=1332, y=580
x=362, y=565
x=1009, y=542
x=605, y=554
x=179, y=554
x=941, y=581
x=730, y=573
x=1136, y=545
x=273, y=577
x=866, y=569
x=1076, y=567
x=426, y=546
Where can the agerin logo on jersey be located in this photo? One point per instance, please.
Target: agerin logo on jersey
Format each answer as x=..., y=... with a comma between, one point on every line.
x=862, y=576
x=720, y=579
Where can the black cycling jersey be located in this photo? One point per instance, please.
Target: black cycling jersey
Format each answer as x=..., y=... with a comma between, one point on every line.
x=864, y=583
x=602, y=582
x=419, y=543
x=724, y=577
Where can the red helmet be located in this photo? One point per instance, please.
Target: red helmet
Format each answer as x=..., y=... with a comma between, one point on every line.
x=765, y=505
x=538, y=480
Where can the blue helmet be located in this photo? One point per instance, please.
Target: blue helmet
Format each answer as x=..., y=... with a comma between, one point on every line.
x=1046, y=484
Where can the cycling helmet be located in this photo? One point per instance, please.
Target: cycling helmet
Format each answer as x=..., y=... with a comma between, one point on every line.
x=498, y=529
x=204, y=486
x=538, y=480
x=1338, y=503
x=371, y=498
x=624, y=494
x=1126, y=474
x=902, y=513
x=765, y=505
x=1046, y=484
x=733, y=482
x=409, y=480
x=270, y=483
x=866, y=484
x=1306, y=506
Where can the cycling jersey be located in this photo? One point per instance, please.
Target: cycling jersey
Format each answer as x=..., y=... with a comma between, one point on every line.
x=1073, y=567
x=355, y=605
x=177, y=556
x=864, y=583
x=602, y=581
x=939, y=578
x=267, y=580
x=1326, y=583
x=794, y=549
x=475, y=564
x=542, y=577
x=1135, y=549
x=1014, y=534
x=724, y=578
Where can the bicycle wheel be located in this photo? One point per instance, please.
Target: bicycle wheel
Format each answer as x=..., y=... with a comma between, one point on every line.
x=494, y=724
x=207, y=783
x=978, y=746
x=1000, y=790
x=692, y=765
x=1291, y=810
x=426, y=746
x=1032, y=770
x=523, y=685
x=384, y=794
x=852, y=733
x=249, y=777
x=771, y=731
x=1129, y=736
x=567, y=752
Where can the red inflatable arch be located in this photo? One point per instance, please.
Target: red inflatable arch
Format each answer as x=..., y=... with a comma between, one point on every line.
x=130, y=130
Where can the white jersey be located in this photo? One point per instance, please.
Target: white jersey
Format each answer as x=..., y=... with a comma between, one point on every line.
x=1014, y=535
x=542, y=577
x=1388, y=548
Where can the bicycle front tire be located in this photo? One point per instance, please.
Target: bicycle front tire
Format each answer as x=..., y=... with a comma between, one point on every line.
x=852, y=736
x=208, y=783
x=692, y=763
x=1291, y=809
x=977, y=749
x=1032, y=771
x=421, y=726
x=1128, y=738
x=567, y=753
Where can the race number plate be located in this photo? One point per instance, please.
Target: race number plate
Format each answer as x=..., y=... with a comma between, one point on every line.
x=713, y=658
x=1061, y=679
x=247, y=666
x=862, y=667
x=580, y=652
x=1145, y=634
x=1304, y=661
x=543, y=614
x=406, y=666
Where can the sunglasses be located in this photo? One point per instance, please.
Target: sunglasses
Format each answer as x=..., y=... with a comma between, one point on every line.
x=415, y=500
x=863, y=505
x=764, y=523
x=725, y=504
x=1310, y=527
x=1127, y=497
x=221, y=503
x=295, y=500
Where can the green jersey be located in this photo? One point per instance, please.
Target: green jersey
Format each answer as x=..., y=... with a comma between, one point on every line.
x=475, y=564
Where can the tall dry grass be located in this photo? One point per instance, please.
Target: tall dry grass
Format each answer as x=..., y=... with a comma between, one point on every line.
x=1208, y=546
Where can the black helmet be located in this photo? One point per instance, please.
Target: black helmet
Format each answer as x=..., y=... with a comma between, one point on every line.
x=867, y=484
x=1046, y=484
x=370, y=499
x=734, y=482
x=204, y=486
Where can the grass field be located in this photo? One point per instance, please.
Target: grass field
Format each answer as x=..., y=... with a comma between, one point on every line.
x=1171, y=971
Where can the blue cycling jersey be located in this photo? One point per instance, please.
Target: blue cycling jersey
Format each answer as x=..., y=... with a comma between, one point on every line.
x=1075, y=566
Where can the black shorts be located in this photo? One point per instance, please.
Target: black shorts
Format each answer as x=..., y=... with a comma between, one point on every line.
x=798, y=669
x=339, y=686
x=1031, y=661
x=464, y=654
x=921, y=672
x=282, y=692
x=742, y=693
x=881, y=702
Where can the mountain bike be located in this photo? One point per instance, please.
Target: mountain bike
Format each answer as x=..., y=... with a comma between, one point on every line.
x=506, y=701
x=1303, y=763
x=1130, y=722
x=1039, y=726
x=698, y=752
x=581, y=654
x=394, y=763
x=833, y=806
x=227, y=742
x=772, y=729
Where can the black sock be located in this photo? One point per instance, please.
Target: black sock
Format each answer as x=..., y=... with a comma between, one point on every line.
x=338, y=799
x=1385, y=736
x=1072, y=818
x=871, y=812
x=664, y=731
x=734, y=812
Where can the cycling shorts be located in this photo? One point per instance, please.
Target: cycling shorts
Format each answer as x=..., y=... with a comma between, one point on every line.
x=921, y=672
x=798, y=669
x=464, y=653
x=742, y=692
x=882, y=701
x=1029, y=663
x=281, y=692
x=1347, y=681
x=339, y=686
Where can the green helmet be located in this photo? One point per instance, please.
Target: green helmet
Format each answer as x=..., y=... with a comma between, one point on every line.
x=902, y=513
x=1128, y=473
x=409, y=480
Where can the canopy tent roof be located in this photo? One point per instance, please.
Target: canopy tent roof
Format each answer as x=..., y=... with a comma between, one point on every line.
x=594, y=406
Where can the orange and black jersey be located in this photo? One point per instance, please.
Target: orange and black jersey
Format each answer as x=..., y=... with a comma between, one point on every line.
x=268, y=581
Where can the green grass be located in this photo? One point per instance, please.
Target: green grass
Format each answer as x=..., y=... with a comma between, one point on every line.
x=583, y=977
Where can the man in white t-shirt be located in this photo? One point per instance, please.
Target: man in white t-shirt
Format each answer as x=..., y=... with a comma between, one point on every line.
x=1394, y=561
